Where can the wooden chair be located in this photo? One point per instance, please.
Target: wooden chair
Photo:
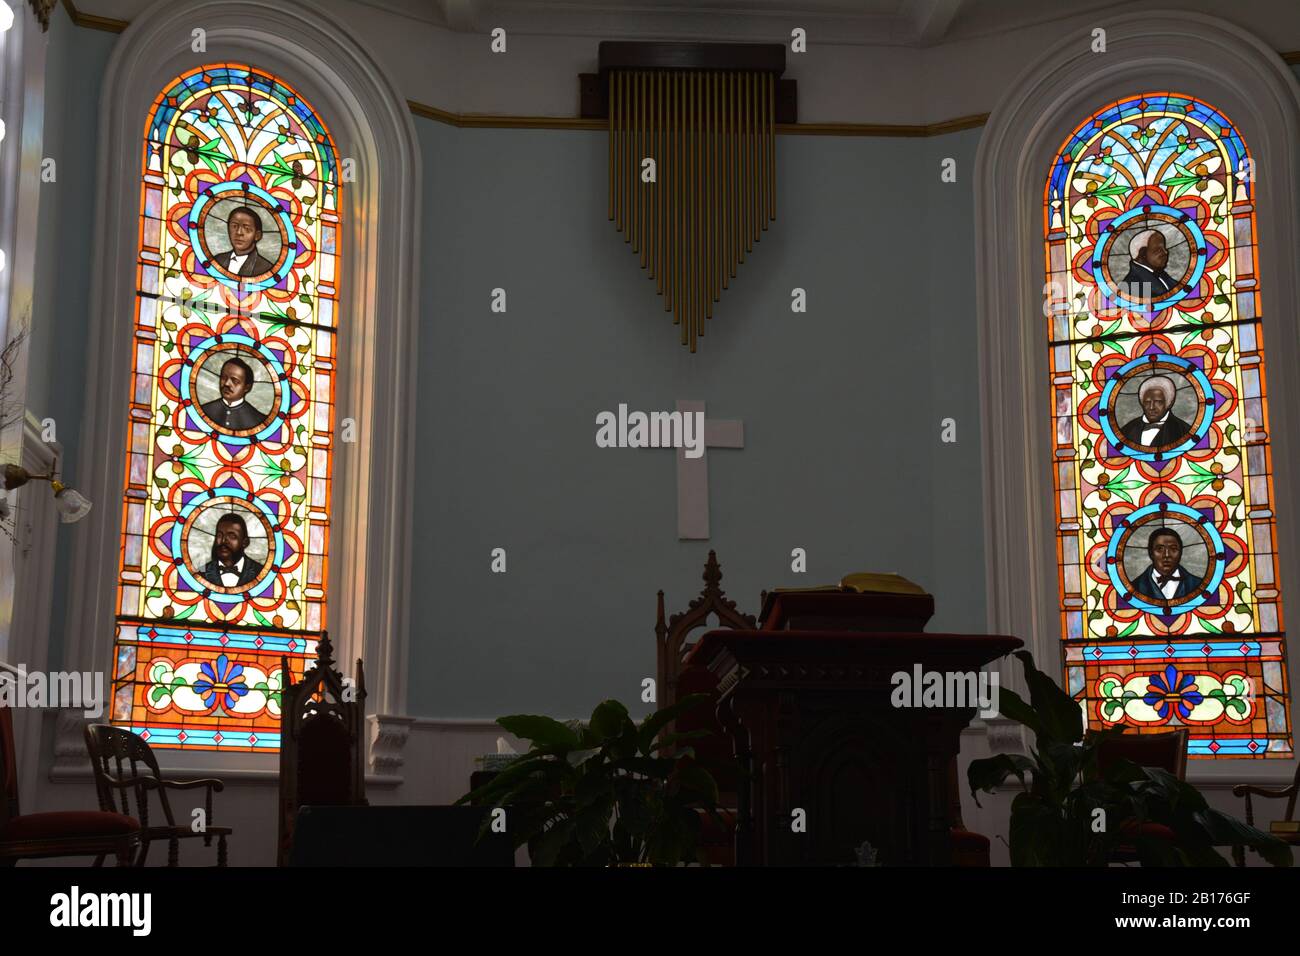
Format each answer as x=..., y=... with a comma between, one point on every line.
x=123, y=765
x=1287, y=829
x=1166, y=751
x=677, y=680
x=60, y=833
x=322, y=742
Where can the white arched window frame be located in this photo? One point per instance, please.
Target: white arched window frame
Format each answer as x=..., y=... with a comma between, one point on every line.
x=370, y=540
x=1220, y=64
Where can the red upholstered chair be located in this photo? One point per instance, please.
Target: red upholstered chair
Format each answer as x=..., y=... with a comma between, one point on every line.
x=62, y=833
x=1166, y=751
x=123, y=764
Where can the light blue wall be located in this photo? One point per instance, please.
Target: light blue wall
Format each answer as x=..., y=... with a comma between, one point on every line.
x=841, y=407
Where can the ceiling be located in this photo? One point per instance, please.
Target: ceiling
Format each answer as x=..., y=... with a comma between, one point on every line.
x=865, y=22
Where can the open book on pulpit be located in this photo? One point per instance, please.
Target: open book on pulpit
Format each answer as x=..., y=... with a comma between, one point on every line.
x=863, y=601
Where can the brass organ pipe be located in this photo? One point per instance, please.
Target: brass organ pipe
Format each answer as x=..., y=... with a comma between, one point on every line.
x=695, y=208
x=745, y=172
x=762, y=154
x=642, y=201
x=728, y=179
x=633, y=133
x=751, y=174
x=711, y=182
x=677, y=204
x=771, y=148
x=613, y=165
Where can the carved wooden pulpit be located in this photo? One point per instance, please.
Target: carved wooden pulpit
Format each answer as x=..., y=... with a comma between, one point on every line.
x=807, y=704
x=322, y=742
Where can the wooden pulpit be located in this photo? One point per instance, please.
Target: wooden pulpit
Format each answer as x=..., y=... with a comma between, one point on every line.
x=810, y=716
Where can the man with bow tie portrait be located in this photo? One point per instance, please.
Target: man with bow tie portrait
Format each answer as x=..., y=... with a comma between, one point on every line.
x=1147, y=278
x=1157, y=426
x=1166, y=579
x=244, y=227
x=231, y=566
x=232, y=410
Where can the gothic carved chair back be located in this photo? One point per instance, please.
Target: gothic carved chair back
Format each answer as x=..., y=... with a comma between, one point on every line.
x=322, y=742
x=672, y=636
x=677, y=680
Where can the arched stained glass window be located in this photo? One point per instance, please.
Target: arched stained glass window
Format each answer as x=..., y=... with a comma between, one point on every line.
x=226, y=512
x=1171, y=611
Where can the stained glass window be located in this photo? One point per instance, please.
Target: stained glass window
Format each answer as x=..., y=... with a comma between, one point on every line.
x=223, y=568
x=1170, y=606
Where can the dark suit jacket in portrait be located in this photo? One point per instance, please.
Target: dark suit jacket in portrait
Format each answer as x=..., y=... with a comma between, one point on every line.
x=254, y=265
x=235, y=418
x=212, y=574
x=1145, y=584
x=1173, y=430
x=1143, y=283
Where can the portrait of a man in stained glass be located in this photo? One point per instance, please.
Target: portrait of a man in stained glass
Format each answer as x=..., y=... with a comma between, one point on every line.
x=1173, y=570
x=1158, y=426
x=234, y=409
x=244, y=231
x=231, y=565
x=1148, y=258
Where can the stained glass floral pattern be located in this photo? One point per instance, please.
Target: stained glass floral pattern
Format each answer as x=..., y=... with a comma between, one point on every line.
x=1170, y=604
x=226, y=508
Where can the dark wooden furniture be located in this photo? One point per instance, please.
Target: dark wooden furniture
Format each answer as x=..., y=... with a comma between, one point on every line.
x=876, y=602
x=678, y=679
x=322, y=742
x=62, y=833
x=1287, y=829
x=810, y=718
x=123, y=765
x=1167, y=751
x=397, y=836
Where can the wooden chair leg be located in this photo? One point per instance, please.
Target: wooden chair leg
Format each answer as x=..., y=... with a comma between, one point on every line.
x=99, y=860
x=144, y=852
x=173, y=852
x=123, y=857
x=221, y=850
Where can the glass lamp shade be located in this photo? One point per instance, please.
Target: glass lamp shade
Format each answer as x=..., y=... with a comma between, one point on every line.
x=72, y=505
x=6, y=16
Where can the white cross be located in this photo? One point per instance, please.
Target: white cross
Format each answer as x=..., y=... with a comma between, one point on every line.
x=693, y=473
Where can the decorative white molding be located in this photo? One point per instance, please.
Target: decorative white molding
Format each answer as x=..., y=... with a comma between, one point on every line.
x=387, y=742
x=1005, y=736
x=36, y=527
x=373, y=479
x=1175, y=50
x=69, y=743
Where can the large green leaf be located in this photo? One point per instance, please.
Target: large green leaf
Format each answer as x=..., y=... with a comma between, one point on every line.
x=607, y=720
x=1059, y=714
x=989, y=773
x=651, y=726
x=546, y=731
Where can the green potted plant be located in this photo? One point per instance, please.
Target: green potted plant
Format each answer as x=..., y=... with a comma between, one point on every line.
x=1055, y=820
x=602, y=792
